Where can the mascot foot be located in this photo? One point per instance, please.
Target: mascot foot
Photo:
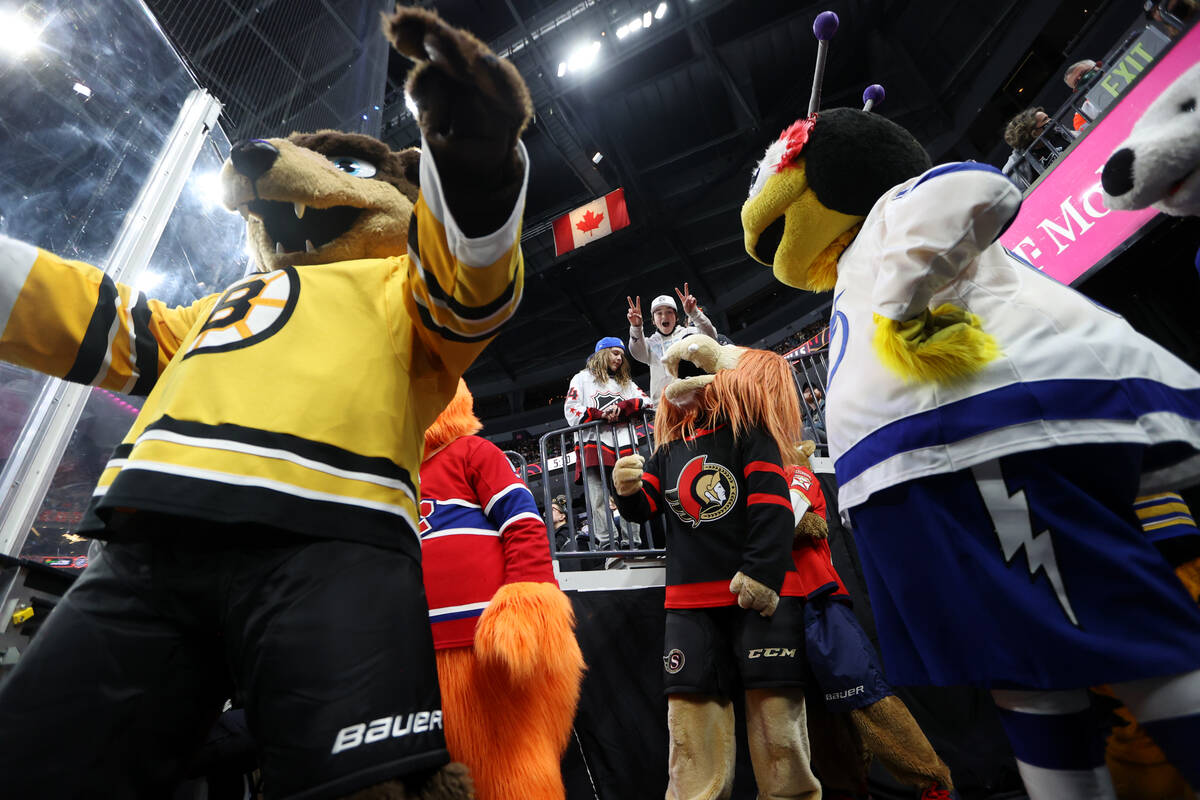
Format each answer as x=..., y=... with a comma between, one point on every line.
x=889, y=731
x=451, y=782
x=389, y=790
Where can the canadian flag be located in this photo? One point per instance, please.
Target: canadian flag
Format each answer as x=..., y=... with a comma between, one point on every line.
x=588, y=223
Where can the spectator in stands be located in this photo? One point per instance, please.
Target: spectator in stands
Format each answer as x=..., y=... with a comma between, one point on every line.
x=1171, y=14
x=1032, y=127
x=664, y=311
x=563, y=541
x=1080, y=76
x=603, y=391
x=630, y=531
x=814, y=413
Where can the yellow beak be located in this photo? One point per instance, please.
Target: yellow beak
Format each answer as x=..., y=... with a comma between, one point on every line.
x=786, y=227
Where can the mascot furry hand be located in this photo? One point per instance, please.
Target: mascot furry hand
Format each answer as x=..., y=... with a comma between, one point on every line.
x=385, y=272
x=1159, y=164
x=716, y=475
x=957, y=375
x=508, y=662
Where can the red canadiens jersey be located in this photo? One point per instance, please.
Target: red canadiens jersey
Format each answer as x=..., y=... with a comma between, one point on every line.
x=727, y=509
x=479, y=529
x=814, y=563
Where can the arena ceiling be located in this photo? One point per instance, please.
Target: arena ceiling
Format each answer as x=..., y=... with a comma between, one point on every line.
x=679, y=111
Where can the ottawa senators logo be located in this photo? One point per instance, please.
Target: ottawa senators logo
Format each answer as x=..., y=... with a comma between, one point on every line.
x=673, y=661
x=703, y=493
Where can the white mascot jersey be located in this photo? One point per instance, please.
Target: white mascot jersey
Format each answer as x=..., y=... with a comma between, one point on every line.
x=1071, y=372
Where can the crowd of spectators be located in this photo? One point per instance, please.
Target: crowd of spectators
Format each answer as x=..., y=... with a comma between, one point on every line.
x=1038, y=139
x=604, y=391
x=791, y=342
x=667, y=329
x=528, y=448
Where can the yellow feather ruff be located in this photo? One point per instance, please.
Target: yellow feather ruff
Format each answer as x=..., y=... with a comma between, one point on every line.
x=945, y=345
x=822, y=274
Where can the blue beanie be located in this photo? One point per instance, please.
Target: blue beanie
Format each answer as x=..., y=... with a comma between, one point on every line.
x=608, y=341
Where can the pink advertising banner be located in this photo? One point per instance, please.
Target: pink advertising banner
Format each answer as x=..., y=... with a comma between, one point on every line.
x=1064, y=228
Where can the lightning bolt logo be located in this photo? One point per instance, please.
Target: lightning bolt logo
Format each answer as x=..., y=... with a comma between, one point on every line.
x=1010, y=516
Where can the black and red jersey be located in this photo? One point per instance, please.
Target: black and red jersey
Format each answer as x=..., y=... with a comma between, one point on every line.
x=727, y=509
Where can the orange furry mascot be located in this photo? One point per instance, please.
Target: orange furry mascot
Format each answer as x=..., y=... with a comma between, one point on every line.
x=508, y=663
x=734, y=598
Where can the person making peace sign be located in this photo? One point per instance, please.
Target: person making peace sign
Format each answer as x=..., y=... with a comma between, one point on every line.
x=664, y=312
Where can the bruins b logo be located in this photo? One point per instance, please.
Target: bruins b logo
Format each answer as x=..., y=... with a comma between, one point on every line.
x=703, y=493
x=252, y=309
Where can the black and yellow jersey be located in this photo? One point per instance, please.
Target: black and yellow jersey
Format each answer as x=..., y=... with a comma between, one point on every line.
x=296, y=398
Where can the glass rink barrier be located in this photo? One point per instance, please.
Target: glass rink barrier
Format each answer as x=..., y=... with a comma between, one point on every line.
x=110, y=156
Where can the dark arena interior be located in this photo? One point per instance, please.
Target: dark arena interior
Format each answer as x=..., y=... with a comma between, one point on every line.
x=1019, y=320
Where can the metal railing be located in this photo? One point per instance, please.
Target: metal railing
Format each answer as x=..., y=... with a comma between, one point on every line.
x=561, y=455
x=811, y=372
x=1060, y=134
x=617, y=539
x=518, y=463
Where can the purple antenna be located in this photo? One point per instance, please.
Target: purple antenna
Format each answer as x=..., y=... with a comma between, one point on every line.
x=872, y=95
x=824, y=27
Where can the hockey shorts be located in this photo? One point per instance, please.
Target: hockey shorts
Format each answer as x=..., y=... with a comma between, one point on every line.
x=721, y=650
x=328, y=642
x=844, y=666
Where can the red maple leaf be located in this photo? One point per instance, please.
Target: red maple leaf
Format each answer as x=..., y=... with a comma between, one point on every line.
x=589, y=221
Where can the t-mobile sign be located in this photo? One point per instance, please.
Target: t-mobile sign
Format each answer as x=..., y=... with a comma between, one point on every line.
x=1064, y=228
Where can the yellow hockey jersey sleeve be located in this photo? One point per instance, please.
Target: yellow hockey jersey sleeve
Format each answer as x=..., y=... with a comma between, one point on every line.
x=460, y=290
x=68, y=319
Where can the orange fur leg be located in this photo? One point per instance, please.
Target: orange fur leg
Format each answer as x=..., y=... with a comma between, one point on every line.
x=512, y=732
x=527, y=631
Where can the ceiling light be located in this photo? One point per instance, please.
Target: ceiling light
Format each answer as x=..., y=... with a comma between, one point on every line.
x=81, y=89
x=622, y=31
x=597, y=157
x=410, y=104
x=635, y=25
x=18, y=35
x=562, y=68
x=661, y=11
x=647, y=18
x=581, y=57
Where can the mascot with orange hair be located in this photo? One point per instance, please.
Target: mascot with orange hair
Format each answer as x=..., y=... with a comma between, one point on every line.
x=734, y=599
x=507, y=659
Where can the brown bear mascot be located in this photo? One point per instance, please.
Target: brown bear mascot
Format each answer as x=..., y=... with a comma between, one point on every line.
x=260, y=520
